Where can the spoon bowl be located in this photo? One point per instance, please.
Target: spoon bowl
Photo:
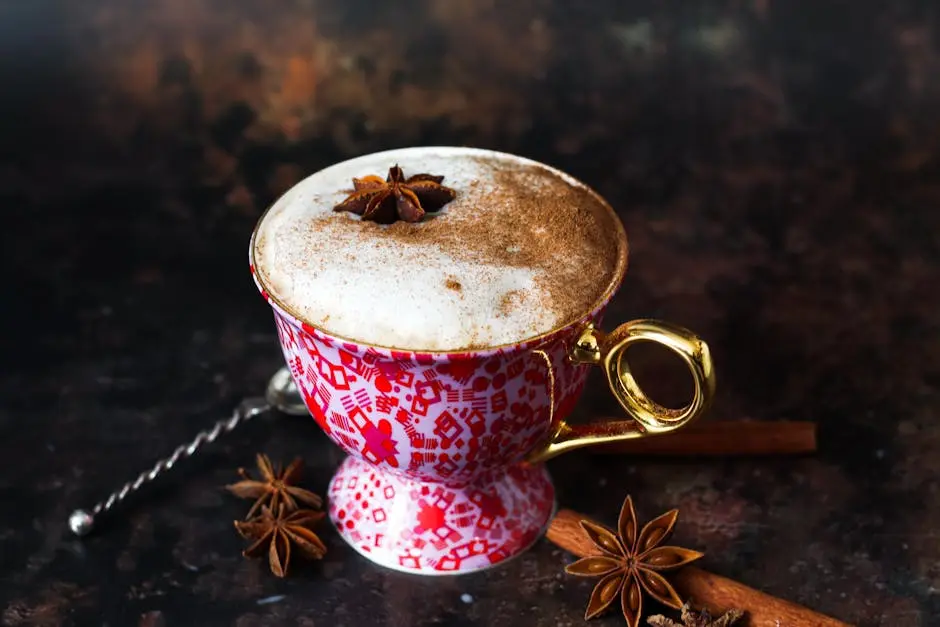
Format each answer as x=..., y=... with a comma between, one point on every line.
x=283, y=395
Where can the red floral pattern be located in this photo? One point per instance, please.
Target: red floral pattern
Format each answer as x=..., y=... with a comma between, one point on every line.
x=442, y=432
x=430, y=528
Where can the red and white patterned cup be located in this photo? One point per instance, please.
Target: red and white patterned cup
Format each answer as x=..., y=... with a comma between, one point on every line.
x=444, y=473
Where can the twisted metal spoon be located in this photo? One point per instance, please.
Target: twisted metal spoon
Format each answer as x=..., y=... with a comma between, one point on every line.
x=281, y=394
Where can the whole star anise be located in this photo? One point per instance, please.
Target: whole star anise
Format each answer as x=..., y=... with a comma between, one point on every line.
x=275, y=488
x=277, y=533
x=631, y=563
x=396, y=197
x=691, y=618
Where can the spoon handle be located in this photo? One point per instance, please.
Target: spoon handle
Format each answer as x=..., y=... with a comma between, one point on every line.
x=81, y=521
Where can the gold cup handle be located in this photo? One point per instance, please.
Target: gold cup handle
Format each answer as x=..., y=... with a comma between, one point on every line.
x=646, y=417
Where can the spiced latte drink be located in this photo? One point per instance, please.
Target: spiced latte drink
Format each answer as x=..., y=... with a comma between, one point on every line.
x=438, y=309
x=513, y=250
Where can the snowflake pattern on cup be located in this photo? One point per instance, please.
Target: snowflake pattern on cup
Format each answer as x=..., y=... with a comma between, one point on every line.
x=431, y=528
x=443, y=435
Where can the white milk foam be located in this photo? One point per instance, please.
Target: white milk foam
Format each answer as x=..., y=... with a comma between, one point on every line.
x=389, y=292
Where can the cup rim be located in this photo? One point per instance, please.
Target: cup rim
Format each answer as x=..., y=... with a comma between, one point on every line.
x=602, y=300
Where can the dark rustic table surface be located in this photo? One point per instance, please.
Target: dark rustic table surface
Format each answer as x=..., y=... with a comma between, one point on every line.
x=775, y=164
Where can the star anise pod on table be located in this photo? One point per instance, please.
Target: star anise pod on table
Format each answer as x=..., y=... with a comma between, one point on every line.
x=276, y=533
x=396, y=198
x=276, y=486
x=691, y=618
x=631, y=563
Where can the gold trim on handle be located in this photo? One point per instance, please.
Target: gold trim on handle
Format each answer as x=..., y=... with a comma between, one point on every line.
x=647, y=417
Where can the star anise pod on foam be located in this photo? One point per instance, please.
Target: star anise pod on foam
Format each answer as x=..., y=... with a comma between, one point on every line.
x=275, y=488
x=396, y=197
x=277, y=533
x=691, y=618
x=631, y=563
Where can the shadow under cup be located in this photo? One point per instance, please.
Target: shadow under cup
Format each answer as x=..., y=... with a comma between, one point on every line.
x=444, y=471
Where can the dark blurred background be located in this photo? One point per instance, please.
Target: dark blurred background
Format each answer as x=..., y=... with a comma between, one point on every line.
x=776, y=166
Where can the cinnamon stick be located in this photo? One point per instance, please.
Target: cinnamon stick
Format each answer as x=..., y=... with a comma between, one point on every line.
x=724, y=438
x=714, y=592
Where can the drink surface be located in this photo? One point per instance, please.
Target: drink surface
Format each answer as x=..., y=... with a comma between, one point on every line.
x=520, y=251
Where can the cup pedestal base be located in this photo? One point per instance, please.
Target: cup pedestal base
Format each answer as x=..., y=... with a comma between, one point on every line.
x=433, y=529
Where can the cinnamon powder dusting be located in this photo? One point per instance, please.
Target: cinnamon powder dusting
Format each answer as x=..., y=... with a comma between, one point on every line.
x=528, y=218
x=516, y=216
x=509, y=301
